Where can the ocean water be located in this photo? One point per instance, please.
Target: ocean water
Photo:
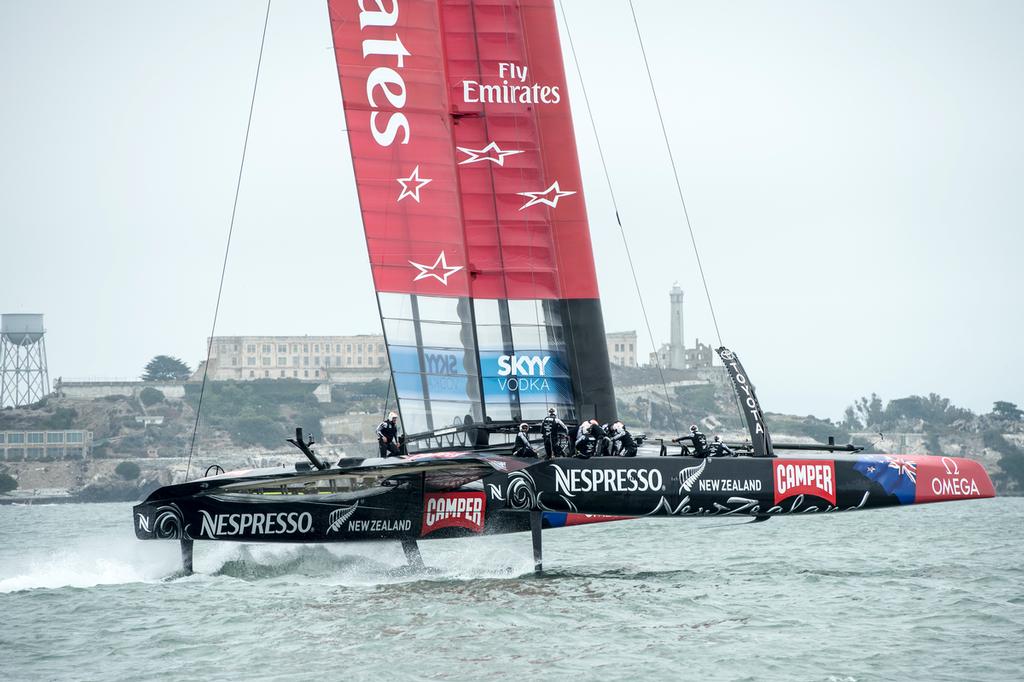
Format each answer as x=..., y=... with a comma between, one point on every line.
x=933, y=592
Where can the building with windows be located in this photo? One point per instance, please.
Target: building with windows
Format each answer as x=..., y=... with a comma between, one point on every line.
x=622, y=348
x=44, y=446
x=312, y=358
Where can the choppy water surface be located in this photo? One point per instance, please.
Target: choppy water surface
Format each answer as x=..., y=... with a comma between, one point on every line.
x=933, y=592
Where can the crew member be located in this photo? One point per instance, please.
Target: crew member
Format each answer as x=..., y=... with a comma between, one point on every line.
x=698, y=441
x=599, y=432
x=584, y=429
x=720, y=449
x=586, y=443
x=387, y=437
x=623, y=443
x=551, y=427
x=522, y=447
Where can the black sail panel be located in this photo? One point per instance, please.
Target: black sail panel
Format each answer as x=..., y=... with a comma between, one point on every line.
x=759, y=437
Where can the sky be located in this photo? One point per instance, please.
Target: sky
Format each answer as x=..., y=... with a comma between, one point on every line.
x=853, y=174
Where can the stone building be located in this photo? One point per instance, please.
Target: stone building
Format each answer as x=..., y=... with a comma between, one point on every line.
x=622, y=348
x=293, y=357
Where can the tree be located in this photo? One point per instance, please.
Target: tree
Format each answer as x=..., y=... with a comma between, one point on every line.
x=850, y=420
x=166, y=368
x=129, y=471
x=1008, y=411
x=870, y=412
x=150, y=396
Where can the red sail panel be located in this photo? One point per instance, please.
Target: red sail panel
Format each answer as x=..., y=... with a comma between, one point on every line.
x=463, y=147
x=391, y=68
x=522, y=199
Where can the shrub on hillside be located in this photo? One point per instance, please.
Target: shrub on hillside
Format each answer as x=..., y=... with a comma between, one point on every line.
x=7, y=483
x=150, y=396
x=129, y=471
x=63, y=418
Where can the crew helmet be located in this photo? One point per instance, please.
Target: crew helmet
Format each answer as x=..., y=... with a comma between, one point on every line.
x=693, y=429
x=551, y=411
x=524, y=427
x=718, y=439
x=392, y=416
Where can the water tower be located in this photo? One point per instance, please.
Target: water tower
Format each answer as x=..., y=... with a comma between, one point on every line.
x=23, y=376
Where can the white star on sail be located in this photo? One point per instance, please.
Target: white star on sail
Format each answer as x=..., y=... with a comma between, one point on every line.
x=542, y=197
x=412, y=185
x=484, y=154
x=430, y=270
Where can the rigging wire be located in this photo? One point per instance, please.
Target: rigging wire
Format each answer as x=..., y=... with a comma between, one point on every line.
x=679, y=189
x=675, y=173
x=227, y=246
x=618, y=219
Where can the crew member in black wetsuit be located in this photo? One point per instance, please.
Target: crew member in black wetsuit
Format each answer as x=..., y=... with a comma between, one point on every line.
x=551, y=427
x=623, y=443
x=698, y=441
x=387, y=437
x=603, y=444
x=720, y=449
x=586, y=443
x=522, y=447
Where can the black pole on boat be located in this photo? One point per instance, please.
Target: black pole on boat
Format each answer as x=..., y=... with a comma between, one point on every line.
x=186, y=555
x=538, y=554
x=304, y=447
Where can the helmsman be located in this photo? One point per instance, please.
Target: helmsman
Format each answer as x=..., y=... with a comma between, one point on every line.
x=387, y=436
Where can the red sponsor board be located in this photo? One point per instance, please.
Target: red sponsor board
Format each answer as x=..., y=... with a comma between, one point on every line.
x=453, y=510
x=950, y=478
x=794, y=477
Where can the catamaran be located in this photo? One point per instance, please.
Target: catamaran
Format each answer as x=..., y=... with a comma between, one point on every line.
x=469, y=185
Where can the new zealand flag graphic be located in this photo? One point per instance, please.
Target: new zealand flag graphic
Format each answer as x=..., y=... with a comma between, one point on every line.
x=896, y=475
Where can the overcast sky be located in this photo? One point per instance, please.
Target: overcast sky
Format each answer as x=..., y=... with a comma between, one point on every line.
x=853, y=172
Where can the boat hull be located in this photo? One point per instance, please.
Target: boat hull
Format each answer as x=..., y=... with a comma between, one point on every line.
x=569, y=492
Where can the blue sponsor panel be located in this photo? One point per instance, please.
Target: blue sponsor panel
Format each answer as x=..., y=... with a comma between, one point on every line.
x=530, y=376
x=524, y=363
x=530, y=390
x=439, y=386
x=444, y=361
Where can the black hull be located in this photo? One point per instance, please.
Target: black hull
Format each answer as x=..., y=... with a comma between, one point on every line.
x=567, y=491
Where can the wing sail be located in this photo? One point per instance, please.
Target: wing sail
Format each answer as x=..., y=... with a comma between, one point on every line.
x=468, y=179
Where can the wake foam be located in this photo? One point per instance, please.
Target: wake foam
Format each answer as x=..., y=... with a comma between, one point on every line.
x=89, y=563
x=104, y=561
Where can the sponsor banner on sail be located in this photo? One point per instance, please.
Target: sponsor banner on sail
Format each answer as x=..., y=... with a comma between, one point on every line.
x=463, y=148
x=390, y=59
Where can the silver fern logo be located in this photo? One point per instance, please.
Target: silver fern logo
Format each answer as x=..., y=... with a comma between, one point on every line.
x=689, y=476
x=339, y=516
